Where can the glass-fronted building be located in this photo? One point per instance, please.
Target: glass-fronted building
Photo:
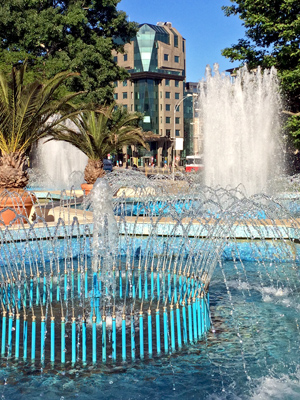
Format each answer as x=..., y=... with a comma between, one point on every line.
x=155, y=59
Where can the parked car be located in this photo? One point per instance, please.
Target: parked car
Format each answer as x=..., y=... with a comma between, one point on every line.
x=107, y=165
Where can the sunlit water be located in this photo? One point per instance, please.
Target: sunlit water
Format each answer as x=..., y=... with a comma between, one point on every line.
x=240, y=123
x=252, y=351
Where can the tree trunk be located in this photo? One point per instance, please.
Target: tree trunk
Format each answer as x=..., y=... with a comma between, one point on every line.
x=13, y=171
x=93, y=171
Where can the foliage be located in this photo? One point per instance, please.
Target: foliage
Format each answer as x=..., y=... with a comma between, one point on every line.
x=73, y=35
x=98, y=133
x=27, y=113
x=272, y=38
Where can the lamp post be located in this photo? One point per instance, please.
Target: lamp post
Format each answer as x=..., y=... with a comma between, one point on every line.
x=174, y=132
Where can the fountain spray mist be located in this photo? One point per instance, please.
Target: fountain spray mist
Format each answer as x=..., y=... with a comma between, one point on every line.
x=240, y=118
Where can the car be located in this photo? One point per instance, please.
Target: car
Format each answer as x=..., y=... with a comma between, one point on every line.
x=107, y=165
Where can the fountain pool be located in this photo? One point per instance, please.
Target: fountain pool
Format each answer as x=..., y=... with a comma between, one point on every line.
x=250, y=345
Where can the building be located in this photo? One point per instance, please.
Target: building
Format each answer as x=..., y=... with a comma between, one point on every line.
x=193, y=135
x=155, y=59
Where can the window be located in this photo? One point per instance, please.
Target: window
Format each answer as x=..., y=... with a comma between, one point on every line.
x=176, y=59
x=177, y=132
x=166, y=57
x=125, y=83
x=115, y=83
x=183, y=46
x=125, y=57
x=167, y=82
x=168, y=107
x=124, y=95
x=131, y=107
x=176, y=83
x=168, y=120
x=161, y=107
x=116, y=96
x=131, y=95
x=116, y=59
x=177, y=96
x=168, y=132
x=168, y=95
x=160, y=94
x=125, y=106
x=177, y=120
x=178, y=108
x=175, y=41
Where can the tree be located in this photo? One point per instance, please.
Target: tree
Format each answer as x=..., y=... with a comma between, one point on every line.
x=98, y=133
x=272, y=38
x=28, y=112
x=60, y=35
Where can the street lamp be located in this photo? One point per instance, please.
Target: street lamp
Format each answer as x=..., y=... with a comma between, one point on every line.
x=174, y=133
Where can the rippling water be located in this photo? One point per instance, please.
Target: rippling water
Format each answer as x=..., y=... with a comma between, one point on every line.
x=252, y=352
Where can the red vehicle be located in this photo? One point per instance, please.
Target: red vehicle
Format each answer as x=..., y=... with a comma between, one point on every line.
x=194, y=163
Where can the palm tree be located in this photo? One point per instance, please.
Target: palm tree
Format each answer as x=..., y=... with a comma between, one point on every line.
x=28, y=112
x=100, y=132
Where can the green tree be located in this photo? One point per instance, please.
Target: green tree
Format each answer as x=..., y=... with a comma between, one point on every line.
x=98, y=133
x=60, y=35
x=28, y=112
x=272, y=38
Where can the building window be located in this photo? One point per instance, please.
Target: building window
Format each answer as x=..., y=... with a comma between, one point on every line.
x=116, y=59
x=175, y=41
x=177, y=120
x=177, y=96
x=177, y=132
x=131, y=107
x=131, y=95
x=125, y=83
x=167, y=82
x=115, y=83
x=125, y=57
x=161, y=107
x=176, y=83
x=124, y=95
x=183, y=46
x=168, y=95
x=168, y=132
x=125, y=106
x=178, y=108
x=176, y=59
x=166, y=57
x=116, y=96
x=168, y=107
x=168, y=120
x=160, y=94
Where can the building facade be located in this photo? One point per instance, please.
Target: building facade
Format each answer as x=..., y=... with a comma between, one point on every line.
x=156, y=61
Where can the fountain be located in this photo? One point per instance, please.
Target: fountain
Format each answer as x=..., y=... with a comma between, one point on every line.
x=57, y=166
x=151, y=288
x=241, y=144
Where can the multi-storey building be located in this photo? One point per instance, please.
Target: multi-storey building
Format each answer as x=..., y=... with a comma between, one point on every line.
x=155, y=59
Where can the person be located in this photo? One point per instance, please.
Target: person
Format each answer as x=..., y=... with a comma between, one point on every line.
x=120, y=163
x=135, y=167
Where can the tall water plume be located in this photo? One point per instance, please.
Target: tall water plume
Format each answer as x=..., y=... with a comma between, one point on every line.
x=241, y=125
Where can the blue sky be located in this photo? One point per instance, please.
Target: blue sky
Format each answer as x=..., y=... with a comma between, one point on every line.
x=201, y=22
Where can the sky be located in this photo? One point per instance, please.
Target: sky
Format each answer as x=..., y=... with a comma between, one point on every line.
x=201, y=22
